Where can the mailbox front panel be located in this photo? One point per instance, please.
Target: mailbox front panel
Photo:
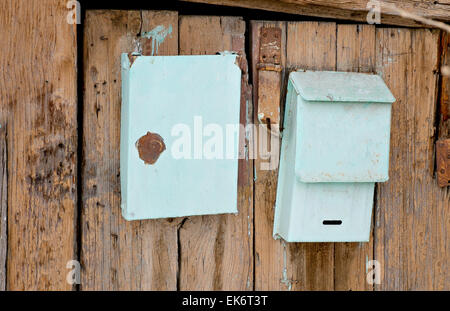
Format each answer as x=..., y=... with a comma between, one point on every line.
x=342, y=142
x=180, y=105
x=330, y=212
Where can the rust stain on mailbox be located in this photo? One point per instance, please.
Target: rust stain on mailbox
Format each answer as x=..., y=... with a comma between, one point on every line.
x=150, y=147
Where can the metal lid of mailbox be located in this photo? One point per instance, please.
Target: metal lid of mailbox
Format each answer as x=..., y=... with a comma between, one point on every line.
x=331, y=86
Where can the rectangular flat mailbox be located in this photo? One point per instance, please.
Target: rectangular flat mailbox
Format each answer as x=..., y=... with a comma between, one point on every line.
x=171, y=106
x=335, y=146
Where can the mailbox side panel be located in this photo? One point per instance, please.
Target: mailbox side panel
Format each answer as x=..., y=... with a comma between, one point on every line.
x=286, y=173
x=124, y=133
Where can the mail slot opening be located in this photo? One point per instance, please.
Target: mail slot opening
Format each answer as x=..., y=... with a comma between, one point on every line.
x=332, y=222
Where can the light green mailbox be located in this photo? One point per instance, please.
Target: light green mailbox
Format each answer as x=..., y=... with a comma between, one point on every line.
x=335, y=147
x=179, y=135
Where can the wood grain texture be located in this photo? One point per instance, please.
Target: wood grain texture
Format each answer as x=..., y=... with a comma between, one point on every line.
x=116, y=254
x=269, y=75
x=444, y=104
x=345, y=9
x=38, y=101
x=280, y=265
x=355, y=53
x=412, y=218
x=443, y=162
x=38, y=169
x=312, y=45
x=270, y=261
x=3, y=205
x=427, y=8
x=217, y=251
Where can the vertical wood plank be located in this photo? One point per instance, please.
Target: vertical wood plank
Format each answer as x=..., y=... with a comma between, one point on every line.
x=217, y=251
x=116, y=254
x=3, y=205
x=355, y=53
x=444, y=105
x=412, y=216
x=312, y=45
x=280, y=265
x=270, y=255
x=38, y=101
x=153, y=19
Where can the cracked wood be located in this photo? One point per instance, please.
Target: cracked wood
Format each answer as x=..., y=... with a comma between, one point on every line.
x=3, y=204
x=38, y=100
x=355, y=52
x=279, y=265
x=412, y=220
x=116, y=254
x=217, y=251
x=355, y=10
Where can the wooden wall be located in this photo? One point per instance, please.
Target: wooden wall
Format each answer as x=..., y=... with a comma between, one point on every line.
x=355, y=10
x=38, y=108
x=44, y=223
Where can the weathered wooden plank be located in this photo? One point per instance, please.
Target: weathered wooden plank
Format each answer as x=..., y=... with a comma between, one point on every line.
x=442, y=162
x=426, y=8
x=412, y=214
x=443, y=130
x=343, y=9
x=444, y=104
x=355, y=53
x=270, y=262
x=312, y=45
x=356, y=48
x=38, y=101
x=279, y=265
x=3, y=205
x=217, y=251
x=115, y=254
x=269, y=75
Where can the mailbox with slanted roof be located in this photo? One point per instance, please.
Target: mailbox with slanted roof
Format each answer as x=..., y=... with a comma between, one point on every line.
x=335, y=147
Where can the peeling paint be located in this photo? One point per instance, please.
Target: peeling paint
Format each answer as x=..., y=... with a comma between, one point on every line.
x=285, y=279
x=131, y=57
x=157, y=35
x=224, y=53
x=137, y=46
x=150, y=147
